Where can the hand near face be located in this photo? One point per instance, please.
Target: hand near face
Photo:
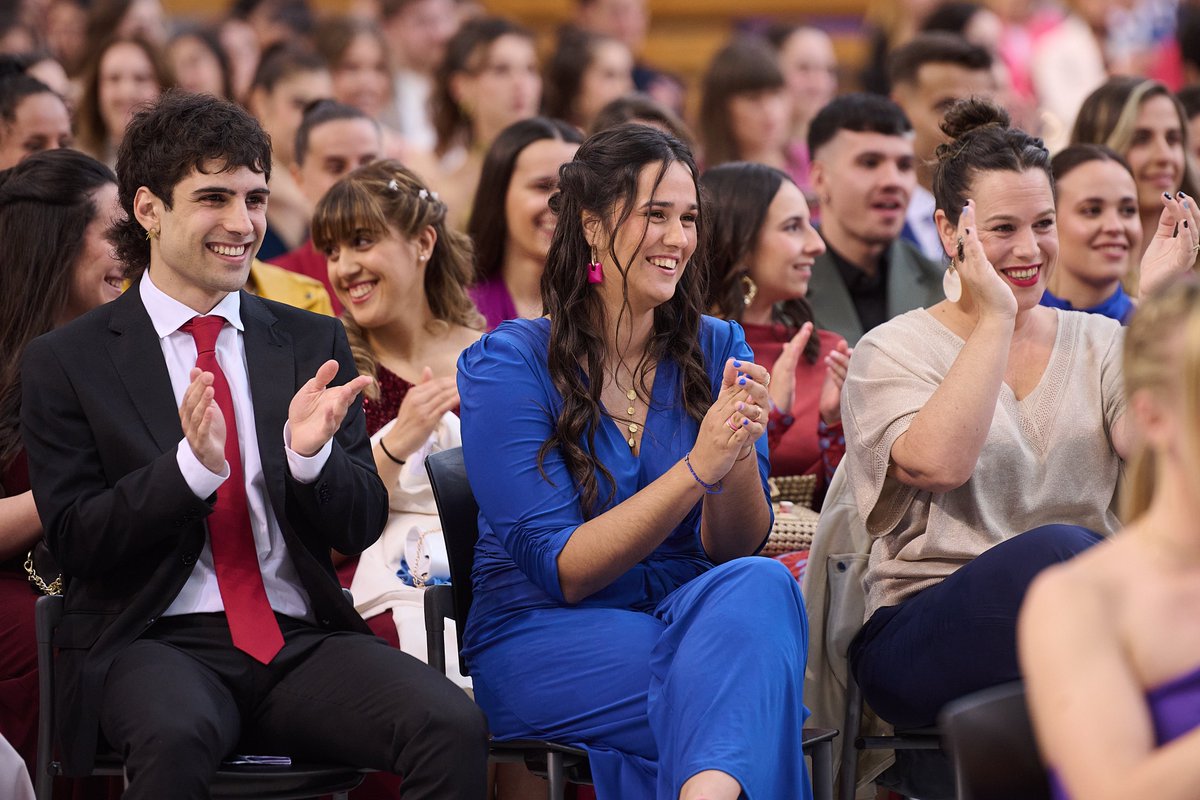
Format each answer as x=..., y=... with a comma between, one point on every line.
x=830, y=401
x=734, y=422
x=782, y=390
x=317, y=410
x=419, y=413
x=991, y=294
x=202, y=421
x=1173, y=248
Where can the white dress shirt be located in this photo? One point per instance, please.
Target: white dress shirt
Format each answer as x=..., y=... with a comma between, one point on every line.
x=410, y=112
x=921, y=207
x=201, y=594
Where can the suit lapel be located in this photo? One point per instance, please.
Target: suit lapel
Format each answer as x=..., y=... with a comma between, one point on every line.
x=913, y=280
x=138, y=359
x=271, y=369
x=833, y=309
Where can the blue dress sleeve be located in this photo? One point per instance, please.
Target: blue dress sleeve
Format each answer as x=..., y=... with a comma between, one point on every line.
x=508, y=406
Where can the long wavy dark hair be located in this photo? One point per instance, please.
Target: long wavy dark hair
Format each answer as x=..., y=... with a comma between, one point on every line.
x=739, y=195
x=466, y=52
x=46, y=205
x=602, y=181
x=488, y=226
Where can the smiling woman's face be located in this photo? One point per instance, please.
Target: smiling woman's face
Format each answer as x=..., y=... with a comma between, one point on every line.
x=1016, y=218
x=1099, y=232
x=654, y=243
x=782, y=261
x=1156, y=152
x=527, y=203
x=97, y=275
x=126, y=80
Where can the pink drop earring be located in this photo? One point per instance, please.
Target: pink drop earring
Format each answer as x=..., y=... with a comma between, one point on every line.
x=595, y=270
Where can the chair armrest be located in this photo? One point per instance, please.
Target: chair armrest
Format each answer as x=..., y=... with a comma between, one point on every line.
x=439, y=606
x=47, y=614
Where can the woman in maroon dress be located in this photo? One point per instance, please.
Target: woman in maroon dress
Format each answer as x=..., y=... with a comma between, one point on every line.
x=762, y=250
x=55, y=208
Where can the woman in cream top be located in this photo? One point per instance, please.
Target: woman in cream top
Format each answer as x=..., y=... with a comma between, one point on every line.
x=985, y=434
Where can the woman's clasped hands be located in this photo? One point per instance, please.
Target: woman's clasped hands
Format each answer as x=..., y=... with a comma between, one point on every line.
x=734, y=421
x=419, y=413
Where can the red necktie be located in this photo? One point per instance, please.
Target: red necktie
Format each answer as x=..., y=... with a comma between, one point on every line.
x=252, y=623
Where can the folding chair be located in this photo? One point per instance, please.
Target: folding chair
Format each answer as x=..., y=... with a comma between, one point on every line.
x=992, y=745
x=853, y=744
x=231, y=783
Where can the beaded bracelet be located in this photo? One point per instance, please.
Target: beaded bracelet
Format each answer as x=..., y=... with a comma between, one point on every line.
x=709, y=488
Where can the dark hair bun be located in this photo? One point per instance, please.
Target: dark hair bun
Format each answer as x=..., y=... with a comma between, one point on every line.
x=981, y=140
x=11, y=66
x=972, y=114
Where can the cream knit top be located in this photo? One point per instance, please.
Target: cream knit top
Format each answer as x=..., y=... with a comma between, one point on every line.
x=1047, y=458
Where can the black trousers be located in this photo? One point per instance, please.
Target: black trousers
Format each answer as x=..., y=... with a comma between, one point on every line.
x=182, y=698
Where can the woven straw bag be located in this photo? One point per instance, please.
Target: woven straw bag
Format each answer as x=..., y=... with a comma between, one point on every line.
x=795, y=521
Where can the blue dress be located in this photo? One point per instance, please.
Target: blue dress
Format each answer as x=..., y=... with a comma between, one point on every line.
x=676, y=667
x=1118, y=306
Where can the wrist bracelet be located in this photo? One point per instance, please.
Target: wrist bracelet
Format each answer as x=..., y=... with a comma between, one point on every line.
x=383, y=447
x=709, y=488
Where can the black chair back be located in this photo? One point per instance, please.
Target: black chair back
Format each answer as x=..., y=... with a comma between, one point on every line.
x=992, y=743
x=460, y=528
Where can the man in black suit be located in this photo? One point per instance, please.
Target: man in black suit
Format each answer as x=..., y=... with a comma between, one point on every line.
x=192, y=484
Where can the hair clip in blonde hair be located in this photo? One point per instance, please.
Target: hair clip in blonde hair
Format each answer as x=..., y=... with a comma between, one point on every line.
x=425, y=194
x=393, y=185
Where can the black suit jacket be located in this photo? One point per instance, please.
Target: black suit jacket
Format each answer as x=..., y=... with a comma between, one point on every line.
x=101, y=427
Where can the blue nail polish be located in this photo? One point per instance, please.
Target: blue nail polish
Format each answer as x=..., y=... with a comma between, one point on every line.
x=1167, y=195
x=737, y=363
x=1179, y=195
x=742, y=380
x=741, y=406
x=745, y=422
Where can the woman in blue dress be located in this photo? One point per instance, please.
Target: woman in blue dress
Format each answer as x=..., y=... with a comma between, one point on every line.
x=615, y=447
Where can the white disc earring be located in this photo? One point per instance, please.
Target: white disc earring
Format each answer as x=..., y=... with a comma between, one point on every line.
x=952, y=284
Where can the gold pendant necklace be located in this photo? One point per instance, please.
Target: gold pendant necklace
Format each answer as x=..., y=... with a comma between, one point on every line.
x=633, y=428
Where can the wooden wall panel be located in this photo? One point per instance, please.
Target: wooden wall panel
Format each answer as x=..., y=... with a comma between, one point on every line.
x=683, y=35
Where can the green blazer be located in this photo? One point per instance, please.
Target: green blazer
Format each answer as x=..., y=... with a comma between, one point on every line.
x=913, y=281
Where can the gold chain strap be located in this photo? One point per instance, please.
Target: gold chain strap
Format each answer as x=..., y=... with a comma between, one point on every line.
x=53, y=589
x=421, y=579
